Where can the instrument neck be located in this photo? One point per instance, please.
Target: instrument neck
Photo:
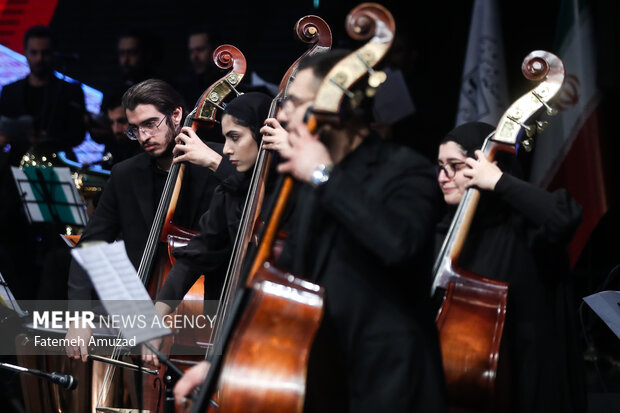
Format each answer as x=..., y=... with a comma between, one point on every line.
x=459, y=228
x=247, y=225
x=164, y=212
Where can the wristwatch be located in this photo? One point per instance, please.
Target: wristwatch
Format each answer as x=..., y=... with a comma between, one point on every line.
x=320, y=175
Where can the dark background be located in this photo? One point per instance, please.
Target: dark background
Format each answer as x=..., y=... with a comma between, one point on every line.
x=434, y=36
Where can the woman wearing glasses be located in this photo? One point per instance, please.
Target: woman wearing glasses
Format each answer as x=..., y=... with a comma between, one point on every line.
x=519, y=234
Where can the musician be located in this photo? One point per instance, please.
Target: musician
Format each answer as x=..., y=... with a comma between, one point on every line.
x=209, y=251
x=365, y=234
x=127, y=206
x=57, y=107
x=519, y=235
x=108, y=128
x=200, y=41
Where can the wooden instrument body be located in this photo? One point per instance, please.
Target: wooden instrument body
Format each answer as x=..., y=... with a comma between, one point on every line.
x=192, y=304
x=471, y=323
x=473, y=311
x=156, y=261
x=265, y=365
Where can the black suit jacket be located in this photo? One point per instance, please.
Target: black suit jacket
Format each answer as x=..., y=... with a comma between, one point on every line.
x=126, y=209
x=366, y=237
x=62, y=114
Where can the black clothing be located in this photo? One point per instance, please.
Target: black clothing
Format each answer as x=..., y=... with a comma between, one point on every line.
x=16, y=240
x=252, y=108
x=519, y=235
x=127, y=208
x=120, y=150
x=366, y=237
x=469, y=136
x=57, y=109
x=209, y=251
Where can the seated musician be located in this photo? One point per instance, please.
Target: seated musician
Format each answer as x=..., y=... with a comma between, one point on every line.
x=365, y=234
x=519, y=235
x=209, y=251
x=129, y=200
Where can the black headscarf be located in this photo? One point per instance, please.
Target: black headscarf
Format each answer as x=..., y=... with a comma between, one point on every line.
x=251, y=109
x=470, y=136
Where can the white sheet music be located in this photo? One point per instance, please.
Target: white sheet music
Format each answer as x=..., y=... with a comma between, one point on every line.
x=607, y=305
x=119, y=288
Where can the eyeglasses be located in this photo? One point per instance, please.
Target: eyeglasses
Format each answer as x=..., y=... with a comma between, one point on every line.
x=450, y=169
x=289, y=103
x=149, y=128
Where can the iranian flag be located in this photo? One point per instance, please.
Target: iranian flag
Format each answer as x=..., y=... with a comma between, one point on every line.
x=568, y=153
x=484, y=91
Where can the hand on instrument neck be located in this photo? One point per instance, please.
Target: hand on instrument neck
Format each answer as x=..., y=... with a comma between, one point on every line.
x=303, y=155
x=189, y=147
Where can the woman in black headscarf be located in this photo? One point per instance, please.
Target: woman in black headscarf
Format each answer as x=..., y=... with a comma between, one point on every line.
x=209, y=251
x=519, y=234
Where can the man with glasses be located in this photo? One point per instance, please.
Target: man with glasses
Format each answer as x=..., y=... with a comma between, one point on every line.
x=129, y=201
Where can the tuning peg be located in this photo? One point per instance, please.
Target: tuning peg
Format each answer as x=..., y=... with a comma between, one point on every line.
x=550, y=110
x=527, y=144
x=376, y=78
x=529, y=131
x=541, y=125
x=357, y=99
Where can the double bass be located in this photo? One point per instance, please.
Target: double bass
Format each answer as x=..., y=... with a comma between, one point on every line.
x=473, y=310
x=156, y=263
x=308, y=29
x=261, y=359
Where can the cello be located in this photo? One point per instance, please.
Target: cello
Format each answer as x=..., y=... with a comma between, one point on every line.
x=155, y=264
x=315, y=31
x=473, y=310
x=264, y=364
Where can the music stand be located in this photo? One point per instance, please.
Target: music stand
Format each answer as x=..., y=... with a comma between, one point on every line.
x=49, y=195
x=8, y=300
x=606, y=304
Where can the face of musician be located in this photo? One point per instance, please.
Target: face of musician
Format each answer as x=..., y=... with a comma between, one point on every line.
x=199, y=52
x=451, y=164
x=130, y=55
x=339, y=141
x=39, y=56
x=240, y=146
x=118, y=122
x=154, y=130
x=300, y=96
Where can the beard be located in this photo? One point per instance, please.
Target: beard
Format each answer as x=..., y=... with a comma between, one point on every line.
x=167, y=153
